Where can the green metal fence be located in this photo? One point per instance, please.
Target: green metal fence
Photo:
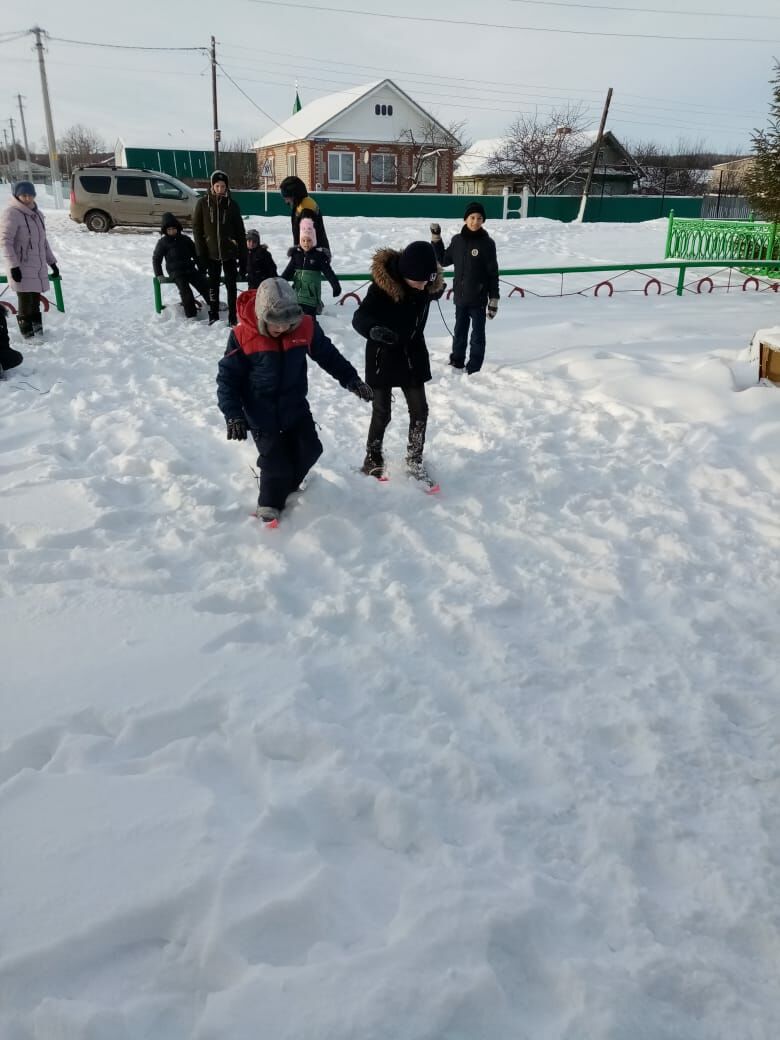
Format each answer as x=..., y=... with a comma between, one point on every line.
x=721, y=240
x=58, y=298
x=410, y=205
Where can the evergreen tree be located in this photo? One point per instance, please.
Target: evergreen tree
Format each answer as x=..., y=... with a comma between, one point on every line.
x=762, y=183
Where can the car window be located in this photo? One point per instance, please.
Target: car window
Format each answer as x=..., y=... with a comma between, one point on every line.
x=131, y=186
x=165, y=190
x=95, y=185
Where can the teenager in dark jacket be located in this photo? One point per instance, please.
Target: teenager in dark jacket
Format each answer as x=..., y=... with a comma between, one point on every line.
x=259, y=262
x=262, y=386
x=473, y=252
x=392, y=319
x=307, y=267
x=177, y=250
x=220, y=242
x=296, y=196
x=9, y=358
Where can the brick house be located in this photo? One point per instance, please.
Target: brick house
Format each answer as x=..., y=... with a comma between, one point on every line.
x=356, y=140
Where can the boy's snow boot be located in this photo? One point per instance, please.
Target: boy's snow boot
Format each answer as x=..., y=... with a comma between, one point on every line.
x=373, y=463
x=268, y=514
x=25, y=327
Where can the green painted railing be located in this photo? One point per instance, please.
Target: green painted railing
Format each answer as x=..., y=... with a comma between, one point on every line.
x=752, y=267
x=56, y=282
x=721, y=240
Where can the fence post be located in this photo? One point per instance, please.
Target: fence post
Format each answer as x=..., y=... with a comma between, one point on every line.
x=669, y=234
x=770, y=252
x=157, y=296
x=681, y=280
x=505, y=193
x=524, y=203
x=58, y=294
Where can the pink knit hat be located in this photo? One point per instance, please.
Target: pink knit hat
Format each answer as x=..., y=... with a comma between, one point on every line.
x=306, y=230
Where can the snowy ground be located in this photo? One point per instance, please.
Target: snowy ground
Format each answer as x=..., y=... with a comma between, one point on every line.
x=500, y=764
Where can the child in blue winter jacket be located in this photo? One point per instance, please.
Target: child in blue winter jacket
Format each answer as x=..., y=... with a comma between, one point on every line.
x=262, y=387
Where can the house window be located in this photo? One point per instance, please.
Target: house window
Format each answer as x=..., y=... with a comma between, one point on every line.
x=377, y=110
x=383, y=110
x=383, y=168
x=341, y=167
x=429, y=171
x=292, y=165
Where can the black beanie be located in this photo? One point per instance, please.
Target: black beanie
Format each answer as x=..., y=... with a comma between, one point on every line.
x=219, y=175
x=418, y=262
x=475, y=207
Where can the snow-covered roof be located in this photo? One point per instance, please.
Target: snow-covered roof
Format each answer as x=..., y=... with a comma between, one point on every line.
x=474, y=161
x=314, y=115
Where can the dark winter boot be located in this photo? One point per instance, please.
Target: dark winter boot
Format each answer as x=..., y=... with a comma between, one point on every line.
x=9, y=358
x=25, y=327
x=414, y=452
x=373, y=463
x=37, y=324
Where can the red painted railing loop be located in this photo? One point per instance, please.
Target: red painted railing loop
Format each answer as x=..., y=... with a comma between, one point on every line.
x=601, y=285
x=448, y=294
x=652, y=281
x=775, y=286
x=44, y=301
x=517, y=288
x=347, y=295
x=8, y=306
x=701, y=282
x=747, y=281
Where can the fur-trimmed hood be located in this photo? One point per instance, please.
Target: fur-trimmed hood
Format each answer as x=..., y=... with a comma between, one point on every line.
x=387, y=277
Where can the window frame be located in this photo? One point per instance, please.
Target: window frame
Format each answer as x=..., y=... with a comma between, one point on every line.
x=178, y=197
x=83, y=178
x=292, y=164
x=340, y=179
x=425, y=164
x=394, y=164
x=143, y=181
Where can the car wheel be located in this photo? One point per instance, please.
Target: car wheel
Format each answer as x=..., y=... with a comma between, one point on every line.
x=96, y=220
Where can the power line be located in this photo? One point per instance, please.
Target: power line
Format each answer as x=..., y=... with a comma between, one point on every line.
x=648, y=10
x=514, y=28
x=121, y=46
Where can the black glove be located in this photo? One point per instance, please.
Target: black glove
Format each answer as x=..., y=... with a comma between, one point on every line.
x=361, y=390
x=241, y=276
x=55, y=271
x=16, y=274
x=336, y=287
x=236, y=429
x=436, y=230
x=492, y=307
x=382, y=335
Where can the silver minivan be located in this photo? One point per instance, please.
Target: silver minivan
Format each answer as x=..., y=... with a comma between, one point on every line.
x=103, y=197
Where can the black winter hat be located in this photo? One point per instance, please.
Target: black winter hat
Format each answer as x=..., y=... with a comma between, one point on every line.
x=253, y=236
x=293, y=188
x=475, y=207
x=169, y=220
x=418, y=262
x=219, y=175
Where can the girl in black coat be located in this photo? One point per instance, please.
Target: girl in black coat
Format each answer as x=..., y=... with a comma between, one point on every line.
x=392, y=318
x=178, y=252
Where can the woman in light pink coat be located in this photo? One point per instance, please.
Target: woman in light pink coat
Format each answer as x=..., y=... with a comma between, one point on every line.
x=27, y=255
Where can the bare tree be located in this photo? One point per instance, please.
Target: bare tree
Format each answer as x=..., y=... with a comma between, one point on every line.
x=79, y=146
x=239, y=161
x=543, y=152
x=682, y=169
x=428, y=140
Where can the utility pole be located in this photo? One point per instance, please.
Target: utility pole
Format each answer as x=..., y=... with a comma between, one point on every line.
x=7, y=152
x=54, y=164
x=24, y=138
x=584, y=200
x=13, y=146
x=217, y=134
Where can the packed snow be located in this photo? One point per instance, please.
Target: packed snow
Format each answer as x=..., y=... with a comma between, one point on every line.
x=496, y=764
